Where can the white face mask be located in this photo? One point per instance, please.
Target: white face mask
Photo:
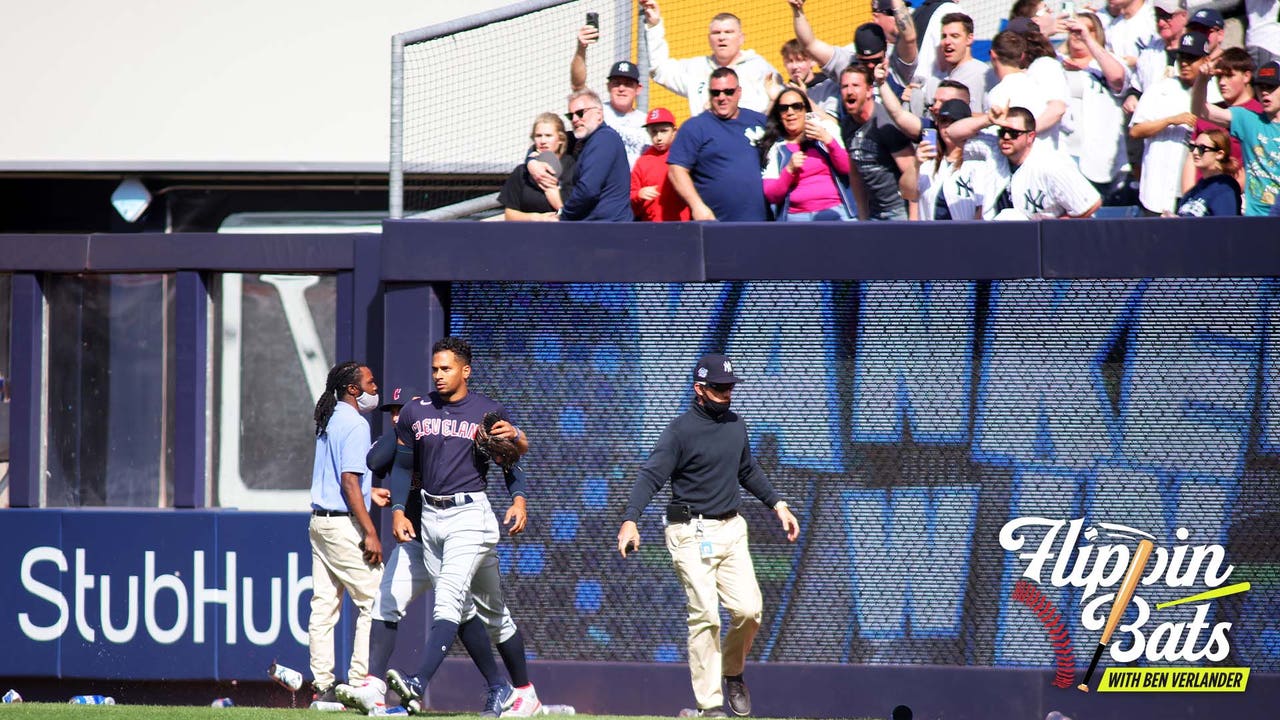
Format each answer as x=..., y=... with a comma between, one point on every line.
x=367, y=402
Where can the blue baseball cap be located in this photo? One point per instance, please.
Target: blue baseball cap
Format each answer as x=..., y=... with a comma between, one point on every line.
x=1207, y=18
x=715, y=368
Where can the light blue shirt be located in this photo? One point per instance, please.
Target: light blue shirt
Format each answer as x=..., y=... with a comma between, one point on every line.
x=1260, y=145
x=342, y=448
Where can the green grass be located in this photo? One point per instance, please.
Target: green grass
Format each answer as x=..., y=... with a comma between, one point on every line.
x=59, y=711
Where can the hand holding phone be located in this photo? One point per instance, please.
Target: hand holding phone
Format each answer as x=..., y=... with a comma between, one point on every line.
x=929, y=135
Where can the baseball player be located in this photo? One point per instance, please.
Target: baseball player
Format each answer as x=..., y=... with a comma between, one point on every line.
x=346, y=554
x=459, y=531
x=405, y=578
x=706, y=455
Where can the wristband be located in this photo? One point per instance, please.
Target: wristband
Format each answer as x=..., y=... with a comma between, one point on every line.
x=396, y=507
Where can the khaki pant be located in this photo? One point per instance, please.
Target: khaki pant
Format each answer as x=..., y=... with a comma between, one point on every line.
x=337, y=564
x=728, y=577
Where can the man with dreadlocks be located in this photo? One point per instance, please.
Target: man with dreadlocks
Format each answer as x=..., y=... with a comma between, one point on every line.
x=346, y=553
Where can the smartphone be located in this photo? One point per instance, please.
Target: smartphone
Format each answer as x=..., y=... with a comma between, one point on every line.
x=929, y=135
x=811, y=117
x=1069, y=8
x=593, y=19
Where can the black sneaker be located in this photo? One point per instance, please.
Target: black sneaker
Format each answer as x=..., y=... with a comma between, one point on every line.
x=325, y=695
x=739, y=698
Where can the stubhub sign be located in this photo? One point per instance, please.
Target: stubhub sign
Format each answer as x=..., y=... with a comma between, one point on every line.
x=197, y=594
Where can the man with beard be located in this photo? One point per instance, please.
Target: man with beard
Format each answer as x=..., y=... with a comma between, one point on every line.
x=1045, y=183
x=602, y=190
x=884, y=177
x=713, y=163
x=706, y=456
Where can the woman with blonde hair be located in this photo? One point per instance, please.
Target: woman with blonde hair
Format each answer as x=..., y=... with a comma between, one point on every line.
x=1093, y=132
x=521, y=197
x=1217, y=192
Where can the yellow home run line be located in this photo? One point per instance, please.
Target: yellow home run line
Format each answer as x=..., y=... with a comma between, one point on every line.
x=1209, y=595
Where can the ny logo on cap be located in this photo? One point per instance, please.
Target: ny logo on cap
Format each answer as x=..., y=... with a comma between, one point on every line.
x=728, y=366
x=624, y=67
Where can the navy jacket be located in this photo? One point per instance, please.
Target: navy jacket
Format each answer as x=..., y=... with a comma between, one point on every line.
x=602, y=190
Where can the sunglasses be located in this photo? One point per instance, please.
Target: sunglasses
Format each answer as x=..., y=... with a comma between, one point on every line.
x=579, y=113
x=871, y=61
x=795, y=107
x=1011, y=133
x=727, y=92
x=1200, y=149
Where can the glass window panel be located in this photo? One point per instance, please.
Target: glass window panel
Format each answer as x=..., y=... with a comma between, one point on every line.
x=6, y=316
x=273, y=346
x=110, y=388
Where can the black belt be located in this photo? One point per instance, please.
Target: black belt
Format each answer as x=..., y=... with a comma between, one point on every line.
x=443, y=501
x=708, y=516
x=330, y=513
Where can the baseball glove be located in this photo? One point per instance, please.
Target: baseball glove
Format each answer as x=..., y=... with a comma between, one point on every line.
x=499, y=450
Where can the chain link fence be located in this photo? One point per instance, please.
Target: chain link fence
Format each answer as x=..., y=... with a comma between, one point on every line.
x=908, y=423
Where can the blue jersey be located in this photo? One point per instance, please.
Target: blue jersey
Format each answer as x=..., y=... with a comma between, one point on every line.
x=441, y=435
x=722, y=159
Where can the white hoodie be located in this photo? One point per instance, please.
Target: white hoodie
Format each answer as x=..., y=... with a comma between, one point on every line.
x=690, y=77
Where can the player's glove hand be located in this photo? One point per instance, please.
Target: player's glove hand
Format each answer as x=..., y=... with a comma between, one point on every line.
x=499, y=450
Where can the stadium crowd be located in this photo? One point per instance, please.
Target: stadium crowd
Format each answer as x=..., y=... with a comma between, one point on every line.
x=1148, y=105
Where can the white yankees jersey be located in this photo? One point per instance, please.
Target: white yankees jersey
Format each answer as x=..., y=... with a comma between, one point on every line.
x=966, y=190
x=1049, y=185
x=1163, y=153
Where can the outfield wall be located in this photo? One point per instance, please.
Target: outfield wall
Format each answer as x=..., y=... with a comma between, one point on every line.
x=913, y=389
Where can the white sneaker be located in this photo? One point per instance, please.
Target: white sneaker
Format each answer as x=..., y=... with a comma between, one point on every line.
x=526, y=703
x=366, y=698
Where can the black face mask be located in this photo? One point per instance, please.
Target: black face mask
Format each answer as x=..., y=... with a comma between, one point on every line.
x=715, y=409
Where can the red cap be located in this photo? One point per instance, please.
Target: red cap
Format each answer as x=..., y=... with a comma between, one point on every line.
x=659, y=115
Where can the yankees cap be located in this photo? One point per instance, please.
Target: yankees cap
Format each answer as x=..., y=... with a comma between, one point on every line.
x=1207, y=18
x=397, y=396
x=954, y=109
x=715, y=368
x=883, y=7
x=625, y=69
x=869, y=40
x=1194, y=44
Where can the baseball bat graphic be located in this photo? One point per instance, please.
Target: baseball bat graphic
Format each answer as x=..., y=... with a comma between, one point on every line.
x=1119, y=605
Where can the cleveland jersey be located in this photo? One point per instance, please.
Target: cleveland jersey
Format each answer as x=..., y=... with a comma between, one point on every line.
x=441, y=435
